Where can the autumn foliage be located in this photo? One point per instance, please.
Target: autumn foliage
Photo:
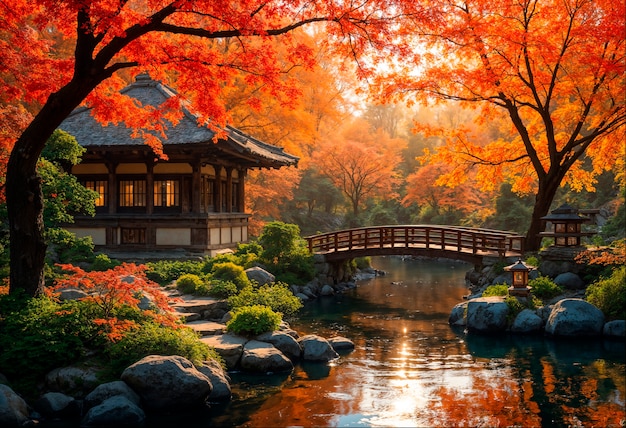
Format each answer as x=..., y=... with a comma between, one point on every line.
x=124, y=285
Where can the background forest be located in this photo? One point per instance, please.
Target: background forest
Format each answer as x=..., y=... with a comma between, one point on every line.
x=473, y=113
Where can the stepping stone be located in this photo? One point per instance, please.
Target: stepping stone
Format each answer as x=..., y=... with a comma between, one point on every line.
x=206, y=328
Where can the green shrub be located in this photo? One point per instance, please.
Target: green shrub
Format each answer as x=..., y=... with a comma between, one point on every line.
x=102, y=262
x=222, y=289
x=277, y=297
x=189, y=283
x=209, y=263
x=498, y=267
x=166, y=271
x=363, y=262
x=544, y=288
x=154, y=339
x=43, y=335
x=66, y=247
x=496, y=290
x=515, y=307
x=284, y=251
x=253, y=320
x=249, y=248
x=609, y=294
x=532, y=261
x=229, y=271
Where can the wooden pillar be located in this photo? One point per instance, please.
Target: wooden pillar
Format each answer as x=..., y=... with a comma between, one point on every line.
x=241, y=194
x=229, y=190
x=196, y=187
x=218, y=189
x=112, y=187
x=149, y=187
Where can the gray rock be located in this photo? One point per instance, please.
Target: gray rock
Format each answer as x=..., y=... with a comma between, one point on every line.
x=13, y=409
x=458, y=314
x=616, y=328
x=56, y=405
x=527, y=321
x=575, y=317
x=165, y=382
x=74, y=381
x=503, y=278
x=263, y=357
x=108, y=390
x=229, y=346
x=114, y=412
x=316, y=348
x=569, y=280
x=487, y=314
x=219, y=379
x=72, y=294
x=340, y=343
x=284, y=342
x=302, y=297
x=259, y=275
x=327, y=290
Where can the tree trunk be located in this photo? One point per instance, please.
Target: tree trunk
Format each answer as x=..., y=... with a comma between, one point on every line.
x=23, y=189
x=543, y=200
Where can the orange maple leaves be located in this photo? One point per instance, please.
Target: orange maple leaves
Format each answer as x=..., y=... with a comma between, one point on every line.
x=124, y=285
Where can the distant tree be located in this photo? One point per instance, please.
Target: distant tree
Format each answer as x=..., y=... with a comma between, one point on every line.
x=363, y=165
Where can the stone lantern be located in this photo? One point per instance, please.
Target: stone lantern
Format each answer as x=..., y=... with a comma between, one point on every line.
x=519, y=285
x=566, y=229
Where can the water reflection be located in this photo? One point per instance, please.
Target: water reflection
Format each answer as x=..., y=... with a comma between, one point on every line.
x=410, y=368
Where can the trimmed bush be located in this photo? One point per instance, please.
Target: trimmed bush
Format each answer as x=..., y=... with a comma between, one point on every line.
x=166, y=271
x=222, y=289
x=544, y=288
x=229, y=271
x=151, y=338
x=253, y=320
x=277, y=297
x=189, y=283
x=609, y=294
x=496, y=290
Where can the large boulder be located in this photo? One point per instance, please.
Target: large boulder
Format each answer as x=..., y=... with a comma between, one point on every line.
x=76, y=381
x=108, y=390
x=570, y=281
x=340, y=343
x=57, y=405
x=575, y=317
x=114, y=412
x=527, y=321
x=13, y=408
x=284, y=342
x=259, y=275
x=316, y=348
x=616, y=328
x=165, y=382
x=458, y=314
x=263, y=357
x=219, y=380
x=327, y=290
x=229, y=346
x=487, y=314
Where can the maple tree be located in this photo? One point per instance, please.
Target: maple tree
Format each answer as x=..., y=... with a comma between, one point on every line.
x=57, y=55
x=555, y=69
x=363, y=165
x=422, y=187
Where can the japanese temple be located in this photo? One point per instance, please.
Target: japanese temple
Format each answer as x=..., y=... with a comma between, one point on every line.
x=193, y=202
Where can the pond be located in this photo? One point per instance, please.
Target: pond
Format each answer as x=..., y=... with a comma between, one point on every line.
x=410, y=368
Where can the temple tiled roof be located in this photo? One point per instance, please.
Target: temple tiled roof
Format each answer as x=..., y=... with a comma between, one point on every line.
x=237, y=145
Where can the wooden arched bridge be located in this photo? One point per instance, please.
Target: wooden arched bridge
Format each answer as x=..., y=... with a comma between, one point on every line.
x=453, y=242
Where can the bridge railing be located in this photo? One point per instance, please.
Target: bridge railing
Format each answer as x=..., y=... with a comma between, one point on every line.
x=450, y=238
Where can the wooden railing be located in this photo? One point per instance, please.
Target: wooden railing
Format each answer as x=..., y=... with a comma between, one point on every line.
x=427, y=237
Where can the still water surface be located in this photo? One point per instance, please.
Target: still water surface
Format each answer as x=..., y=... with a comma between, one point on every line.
x=410, y=368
